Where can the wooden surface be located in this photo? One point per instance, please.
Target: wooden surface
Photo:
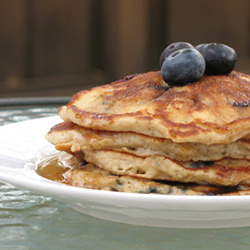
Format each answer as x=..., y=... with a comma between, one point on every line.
x=56, y=47
x=199, y=21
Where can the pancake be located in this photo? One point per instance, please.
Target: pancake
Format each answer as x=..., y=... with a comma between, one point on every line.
x=71, y=137
x=140, y=135
x=89, y=176
x=92, y=177
x=71, y=170
x=225, y=172
x=213, y=110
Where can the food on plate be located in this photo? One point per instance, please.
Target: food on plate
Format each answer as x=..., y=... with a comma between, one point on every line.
x=185, y=65
x=72, y=138
x=219, y=58
x=142, y=131
x=72, y=171
x=170, y=49
x=210, y=111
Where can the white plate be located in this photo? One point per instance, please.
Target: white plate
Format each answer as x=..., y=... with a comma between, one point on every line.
x=23, y=143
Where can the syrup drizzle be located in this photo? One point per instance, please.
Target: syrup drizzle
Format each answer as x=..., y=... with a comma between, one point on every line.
x=54, y=167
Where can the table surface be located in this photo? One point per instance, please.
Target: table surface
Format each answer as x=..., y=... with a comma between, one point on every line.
x=31, y=221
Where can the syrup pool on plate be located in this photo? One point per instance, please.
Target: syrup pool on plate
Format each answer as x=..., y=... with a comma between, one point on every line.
x=55, y=166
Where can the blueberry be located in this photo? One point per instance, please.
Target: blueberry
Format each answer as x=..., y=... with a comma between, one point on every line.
x=220, y=59
x=182, y=67
x=172, y=48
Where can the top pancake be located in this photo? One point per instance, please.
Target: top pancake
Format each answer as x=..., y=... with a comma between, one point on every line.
x=216, y=109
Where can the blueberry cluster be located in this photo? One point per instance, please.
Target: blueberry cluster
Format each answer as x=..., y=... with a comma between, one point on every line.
x=181, y=63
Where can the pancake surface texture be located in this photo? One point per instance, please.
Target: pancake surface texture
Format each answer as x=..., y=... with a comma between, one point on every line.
x=140, y=135
x=216, y=109
x=226, y=172
x=92, y=177
x=74, y=138
x=89, y=176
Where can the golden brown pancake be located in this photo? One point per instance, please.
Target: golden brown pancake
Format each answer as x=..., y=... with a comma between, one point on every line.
x=76, y=138
x=226, y=172
x=214, y=110
x=85, y=175
x=139, y=135
x=93, y=177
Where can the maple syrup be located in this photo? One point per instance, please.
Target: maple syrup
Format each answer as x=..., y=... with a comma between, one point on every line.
x=54, y=167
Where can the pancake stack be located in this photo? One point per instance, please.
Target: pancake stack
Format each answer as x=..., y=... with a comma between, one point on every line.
x=140, y=135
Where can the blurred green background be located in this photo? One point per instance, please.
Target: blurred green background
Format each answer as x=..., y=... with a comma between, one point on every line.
x=58, y=47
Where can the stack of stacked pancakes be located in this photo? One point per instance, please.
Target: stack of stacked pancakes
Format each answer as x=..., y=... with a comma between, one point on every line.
x=139, y=135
